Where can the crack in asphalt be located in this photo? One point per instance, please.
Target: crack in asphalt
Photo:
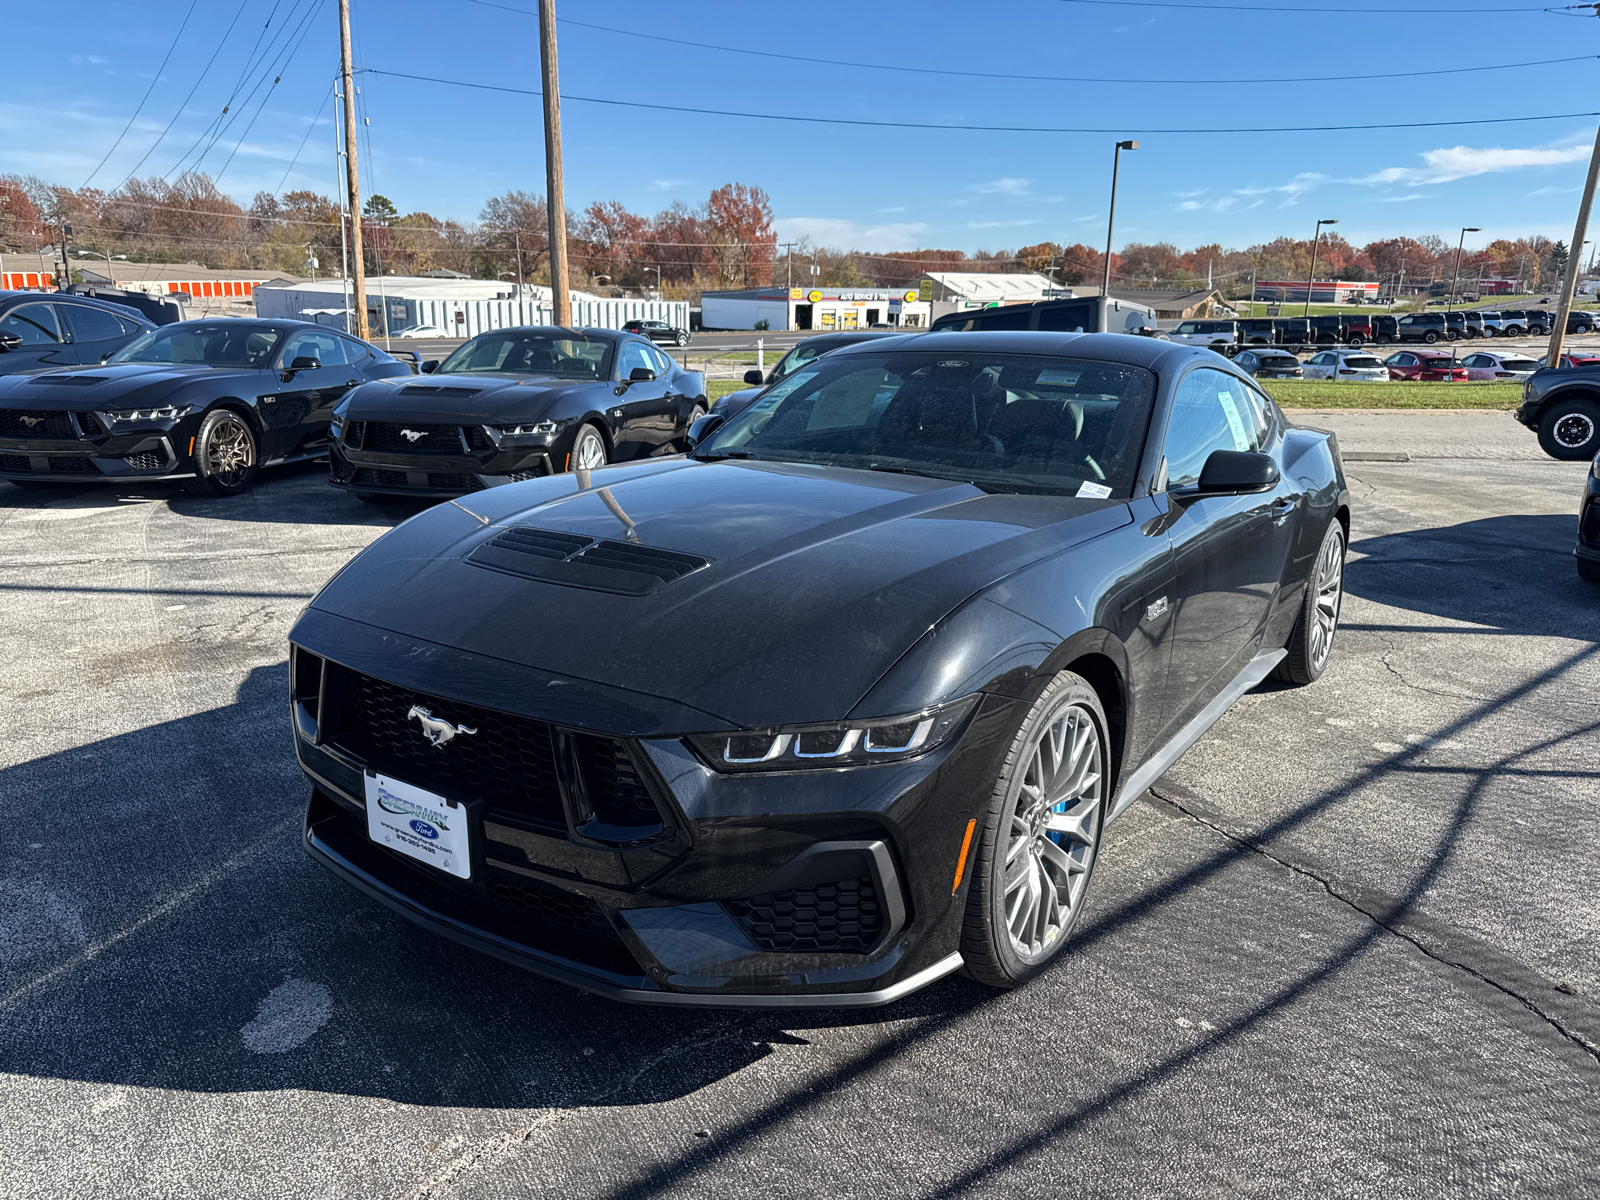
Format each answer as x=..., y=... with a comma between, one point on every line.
x=1589, y=1046
x=1400, y=675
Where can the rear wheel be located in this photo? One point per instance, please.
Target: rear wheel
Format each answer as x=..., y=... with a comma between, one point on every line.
x=1570, y=429
x=1040, y=837
x=682, y=339
x=1311, y=641
x=224, y=455
x=1430, y=337
x=1357, y=341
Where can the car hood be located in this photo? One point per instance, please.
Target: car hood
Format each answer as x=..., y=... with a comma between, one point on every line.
x=733, y=403
x=818, y=580
x=86, y=389
x=473, y=398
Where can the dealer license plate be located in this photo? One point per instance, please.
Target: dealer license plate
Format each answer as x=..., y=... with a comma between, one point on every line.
x=420, y=824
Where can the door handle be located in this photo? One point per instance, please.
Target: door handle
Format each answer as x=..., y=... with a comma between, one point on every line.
x=352, y=382
x=1281, y=508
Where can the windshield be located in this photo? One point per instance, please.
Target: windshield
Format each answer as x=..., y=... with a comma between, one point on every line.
x=1005, y=422
x=509, y=352
x=207, y=344
x=800, y=356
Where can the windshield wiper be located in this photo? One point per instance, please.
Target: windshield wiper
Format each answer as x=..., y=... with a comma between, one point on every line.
x=982, y=485
x=724, y=454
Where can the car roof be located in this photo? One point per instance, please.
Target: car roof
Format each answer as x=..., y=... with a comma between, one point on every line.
x=1151, y=353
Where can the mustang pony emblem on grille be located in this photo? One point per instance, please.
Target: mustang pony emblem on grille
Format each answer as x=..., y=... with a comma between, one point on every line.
x=438, y=732
x=412, y=435
x=30, y=422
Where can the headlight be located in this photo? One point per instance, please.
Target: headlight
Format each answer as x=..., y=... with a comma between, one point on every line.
x=1595, y=469
x=840, y=744
x=170, y=412
x=530, y=429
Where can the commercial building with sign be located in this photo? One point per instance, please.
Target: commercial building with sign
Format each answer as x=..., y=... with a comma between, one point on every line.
x=1323, y=291
x=814, y=308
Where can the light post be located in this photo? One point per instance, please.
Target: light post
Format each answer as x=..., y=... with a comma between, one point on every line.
x=1310, y=279
x=1111, y=224
x=657, y=270
x=1455, y=275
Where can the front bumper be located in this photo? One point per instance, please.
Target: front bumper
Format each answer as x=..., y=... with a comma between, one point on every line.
x=92, y=456
x=726, y=901
x=439, y=475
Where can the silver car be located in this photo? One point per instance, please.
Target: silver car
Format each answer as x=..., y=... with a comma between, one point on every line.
x=1346, y=366
x=1502, y=367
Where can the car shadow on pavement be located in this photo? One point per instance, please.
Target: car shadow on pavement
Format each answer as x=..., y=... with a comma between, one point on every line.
x=1512, y=572
x=162, y=928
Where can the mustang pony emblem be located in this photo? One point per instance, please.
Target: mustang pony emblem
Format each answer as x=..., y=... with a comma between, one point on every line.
x=412, y=435
x=438, y=732
x=30, y=422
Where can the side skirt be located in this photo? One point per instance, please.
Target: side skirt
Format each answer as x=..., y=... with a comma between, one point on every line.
x=1257, y=669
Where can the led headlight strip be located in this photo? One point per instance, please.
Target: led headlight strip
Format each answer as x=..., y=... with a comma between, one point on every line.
x=841, y=744
x=170, y=412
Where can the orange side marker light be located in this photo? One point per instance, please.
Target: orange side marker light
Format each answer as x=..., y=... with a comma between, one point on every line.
x=961, y=863
x=191, y=447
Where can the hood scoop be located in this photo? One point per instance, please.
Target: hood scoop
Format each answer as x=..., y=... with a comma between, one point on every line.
x=452, y=393
x=624, y=568
x=71, y=379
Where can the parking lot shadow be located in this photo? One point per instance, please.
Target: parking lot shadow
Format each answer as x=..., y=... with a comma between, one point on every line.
x=163, y=929
x=1513, y=573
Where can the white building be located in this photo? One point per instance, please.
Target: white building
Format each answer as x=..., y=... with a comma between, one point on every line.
x=815, y=308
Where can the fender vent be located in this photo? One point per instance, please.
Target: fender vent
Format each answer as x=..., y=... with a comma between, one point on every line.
x=575, y=561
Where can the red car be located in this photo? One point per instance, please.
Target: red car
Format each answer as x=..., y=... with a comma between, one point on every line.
x=1574, y=360
x=1419, y=364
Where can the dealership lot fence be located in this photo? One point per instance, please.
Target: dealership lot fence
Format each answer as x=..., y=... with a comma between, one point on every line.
x=468, y=318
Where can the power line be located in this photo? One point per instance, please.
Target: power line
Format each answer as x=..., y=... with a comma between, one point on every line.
x=284, y=70
x=1340, y=11
x=153, y=81
x=872, y=66
x=317, y=116
x=750, y=116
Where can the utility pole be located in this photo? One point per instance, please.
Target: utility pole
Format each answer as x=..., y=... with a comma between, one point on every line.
x=357, y=258
x=788, y=262
x=1574, y=257
x=555, y=196
x=1111, y=223
x=1315, y=241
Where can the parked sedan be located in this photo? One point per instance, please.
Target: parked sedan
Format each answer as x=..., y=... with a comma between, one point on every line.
x=1430, y=368
x=426, y=331
x=1570, y=359
x=962, y=599
x=1503, y=367
x=1345, y=366
x=510, y=405
x=42, y=331
x=658, y=331
x=1268, y=364
x=206, y=402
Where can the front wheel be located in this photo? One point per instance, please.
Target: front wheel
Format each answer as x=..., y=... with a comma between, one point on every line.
x=1570, y=430
x=1430, y=337
x=224, y=455
x=1357, y=341
x=1040, y=837
x=588, y=450
x=682, y=339
x=1311, y=640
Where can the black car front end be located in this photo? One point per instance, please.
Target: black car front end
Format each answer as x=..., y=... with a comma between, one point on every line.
x=429, y=459
x=61, y=443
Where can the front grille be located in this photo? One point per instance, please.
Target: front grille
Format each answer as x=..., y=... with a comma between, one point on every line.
x=354, y=432
x=384, y=479
x=388, y=437
x=616, y=792
x=15, y=462
x=842, y=917
x=453, y=481
x=477, y=439
x=72, y=466
x=150, y=460
x=550, y=905
x=35, y=423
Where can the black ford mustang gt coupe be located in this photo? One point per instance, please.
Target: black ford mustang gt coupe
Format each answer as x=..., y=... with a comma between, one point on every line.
x=969, y=599
x=511, y=405
x=206, y=402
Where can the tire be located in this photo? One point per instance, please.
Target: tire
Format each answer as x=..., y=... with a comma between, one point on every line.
x=1430, y=337
x=1588, y=571
x=682, y=339
x=1055, y=774
x=1311, y=641
x=1357, y=341
x=1513, y=331
x=1570, y=429
x=588, y=450
x=225, y=457
x=1383, y=339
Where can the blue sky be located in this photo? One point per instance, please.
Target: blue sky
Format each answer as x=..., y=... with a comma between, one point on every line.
x=445, y=149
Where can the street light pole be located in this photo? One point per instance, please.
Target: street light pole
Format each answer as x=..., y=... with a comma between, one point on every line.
x=1455, y=276
x=1111, y=224
x=1312, y=278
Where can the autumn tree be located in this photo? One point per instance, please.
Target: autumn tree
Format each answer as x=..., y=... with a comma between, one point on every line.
x=611, y=239
x=20, y=226
x=739, y=222
x=514, y=236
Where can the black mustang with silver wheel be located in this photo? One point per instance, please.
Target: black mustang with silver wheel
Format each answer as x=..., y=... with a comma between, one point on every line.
x=962, y=604
x=515, y=404
x=204, y=402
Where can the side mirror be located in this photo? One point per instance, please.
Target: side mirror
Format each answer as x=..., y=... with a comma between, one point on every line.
x=305, y=363
x=1237, y=473
x=429, y=366
x=641, y=375
x=705, y=427
x=9, y=342
x=106, y=357
x=754, y=377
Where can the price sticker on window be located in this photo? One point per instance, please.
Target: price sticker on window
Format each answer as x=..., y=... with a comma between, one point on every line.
x=1230, y=410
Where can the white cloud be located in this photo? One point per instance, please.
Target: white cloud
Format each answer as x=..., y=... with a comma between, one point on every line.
x=1191, y=195
x=1000, y=224
x=1555, y=191
x=1190, y=206
x=666, y=185
x=1090, y=217
x=1302, y=183
x=1008, y=186
x=1461, y=162
x=898, y=208
x=849, y=235
x=1403, y=199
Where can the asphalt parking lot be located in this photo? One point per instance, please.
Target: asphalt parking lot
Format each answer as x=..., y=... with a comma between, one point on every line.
x=1345, y=947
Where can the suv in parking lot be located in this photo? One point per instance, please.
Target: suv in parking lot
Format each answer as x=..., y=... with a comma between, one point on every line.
x=658, y=331
x=1525, y=322
x=1215, y=335
x=1421, y=327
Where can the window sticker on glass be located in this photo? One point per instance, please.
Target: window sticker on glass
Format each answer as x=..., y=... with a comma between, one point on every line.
x=1093, y=491
x=772, y=399
x=1230, y=409
x=1060, y=378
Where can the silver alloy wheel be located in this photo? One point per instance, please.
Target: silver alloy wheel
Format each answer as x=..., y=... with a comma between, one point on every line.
x=590, y=452
x=1573, y=430
x=230, y=451
x=1330, y=593
x=1055, y=832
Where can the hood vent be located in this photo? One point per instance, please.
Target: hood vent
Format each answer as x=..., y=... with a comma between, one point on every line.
x=71, y=379
x=443, y=393
x=569, y=559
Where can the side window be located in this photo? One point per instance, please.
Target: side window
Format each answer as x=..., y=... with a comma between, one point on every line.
x=1211, y=411
x=634, y=354
x=357, y=352
x=92, y=324
x=326, y=348
x=35, y=324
